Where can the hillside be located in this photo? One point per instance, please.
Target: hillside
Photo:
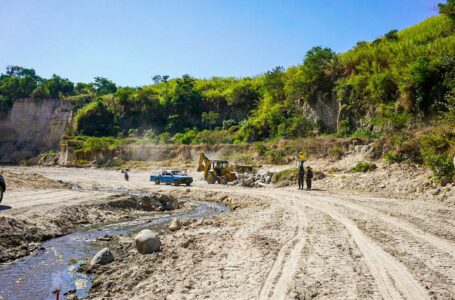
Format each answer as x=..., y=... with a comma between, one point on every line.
x=391, y=89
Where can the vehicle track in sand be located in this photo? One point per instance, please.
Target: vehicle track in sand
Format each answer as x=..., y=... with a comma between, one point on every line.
x=401, y=259
x=393, y=279
x=285, y=266
x=439, y=243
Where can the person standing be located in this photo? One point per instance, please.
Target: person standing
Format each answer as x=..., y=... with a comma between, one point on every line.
x=301, y=176
x=125, y=174
x=309, y=177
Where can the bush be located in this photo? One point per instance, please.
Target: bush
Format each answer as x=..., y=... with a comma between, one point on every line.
x=365, y=133
x=275, y=156
x=337, y=152
x=185, y=138
x=286, y=174
x=434, y=150
x=150, y=134
x=95, y=119
x=364, y=166
x=392, y=157
x=213, y=137
x=345, y=128
x=164, y=138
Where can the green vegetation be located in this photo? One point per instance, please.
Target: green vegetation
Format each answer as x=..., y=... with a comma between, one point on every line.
x=388, y=89
x=364, y=166
x=285, y=175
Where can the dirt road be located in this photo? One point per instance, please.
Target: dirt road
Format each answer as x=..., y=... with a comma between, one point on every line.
x=280, y=244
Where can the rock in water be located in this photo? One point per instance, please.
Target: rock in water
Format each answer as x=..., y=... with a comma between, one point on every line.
x=147, y=242
x=175, y=225
x=103, y=257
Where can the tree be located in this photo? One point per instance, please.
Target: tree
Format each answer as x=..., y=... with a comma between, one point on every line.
x=58, y=87
x=17, y=71
x=244, y=94
x=186, y=97
x=210, y=117
x=104, y=86
x=157, y=79
x=95, y=119
x=320, y=70
x=448, y=8
x=84, y=88
x=424, y=77
x=160, y=78
x=274, y=84
x=392, y=35
x=17, y=83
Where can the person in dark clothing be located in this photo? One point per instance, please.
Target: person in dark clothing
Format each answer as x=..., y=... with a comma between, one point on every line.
x=125, y=174
x=309, y=177
x=301, y=176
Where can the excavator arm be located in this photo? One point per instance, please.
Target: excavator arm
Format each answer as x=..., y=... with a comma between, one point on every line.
x=204, y=165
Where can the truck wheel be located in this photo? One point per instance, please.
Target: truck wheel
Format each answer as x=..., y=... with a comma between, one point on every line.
x=176, y=183
x=188, y=183
x=223, y=180
x=157, y=181
x=1, y=194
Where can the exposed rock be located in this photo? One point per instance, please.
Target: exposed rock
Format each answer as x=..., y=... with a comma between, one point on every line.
x=445, y=181
x=103, y=257
x=33, y=125
x=326, y=110
x=147, y=242
x=175, y=225
x=259, y=179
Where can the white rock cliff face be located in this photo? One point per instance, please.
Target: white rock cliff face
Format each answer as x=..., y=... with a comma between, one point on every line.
x=325, y=110
x=33, y=126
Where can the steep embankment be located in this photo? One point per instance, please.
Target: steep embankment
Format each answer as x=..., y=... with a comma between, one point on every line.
x=32, y=126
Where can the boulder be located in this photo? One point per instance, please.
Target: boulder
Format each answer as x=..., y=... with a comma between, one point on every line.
x=147, y=242
x=103, y=257
x=175, y=225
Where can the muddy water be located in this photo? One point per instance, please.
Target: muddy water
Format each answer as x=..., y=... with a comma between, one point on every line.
x=36, y=276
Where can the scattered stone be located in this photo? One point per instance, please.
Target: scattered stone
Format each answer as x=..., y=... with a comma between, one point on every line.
x=260, y=179
x=186, y=243
x=103, y=257
x=445, y=181
x=147, y=242
x=105, y=238
x=186, y=222
x=175, y=225
x=382, y=186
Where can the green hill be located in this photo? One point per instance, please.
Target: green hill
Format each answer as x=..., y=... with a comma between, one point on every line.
x=395, y=85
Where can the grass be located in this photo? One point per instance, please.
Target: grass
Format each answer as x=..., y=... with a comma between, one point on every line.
x=364, y=166
x=287, y=174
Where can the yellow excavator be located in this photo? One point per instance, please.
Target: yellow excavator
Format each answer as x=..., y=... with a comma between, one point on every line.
x=216, y=170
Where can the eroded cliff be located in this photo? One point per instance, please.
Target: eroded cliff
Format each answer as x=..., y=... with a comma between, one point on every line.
x=31, y=127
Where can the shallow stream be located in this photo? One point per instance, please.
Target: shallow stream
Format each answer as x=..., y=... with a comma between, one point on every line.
x=36, y=276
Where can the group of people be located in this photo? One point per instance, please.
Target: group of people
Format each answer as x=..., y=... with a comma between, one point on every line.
x=302, y=176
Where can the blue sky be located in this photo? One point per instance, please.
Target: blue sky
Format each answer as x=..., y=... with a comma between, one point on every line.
x=130, y=41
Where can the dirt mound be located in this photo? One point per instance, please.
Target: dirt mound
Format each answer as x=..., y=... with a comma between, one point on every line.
x=19, y=236
x=154, y=202
x=19, y=180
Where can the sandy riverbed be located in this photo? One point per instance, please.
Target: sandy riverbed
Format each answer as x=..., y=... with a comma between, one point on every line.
x=277, y=243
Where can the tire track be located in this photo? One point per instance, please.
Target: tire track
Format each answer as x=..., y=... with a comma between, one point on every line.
x=439, y=243
x=285, y=266
x=393, y=279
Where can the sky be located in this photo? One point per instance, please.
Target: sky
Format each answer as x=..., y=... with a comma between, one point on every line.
x=130, y=41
